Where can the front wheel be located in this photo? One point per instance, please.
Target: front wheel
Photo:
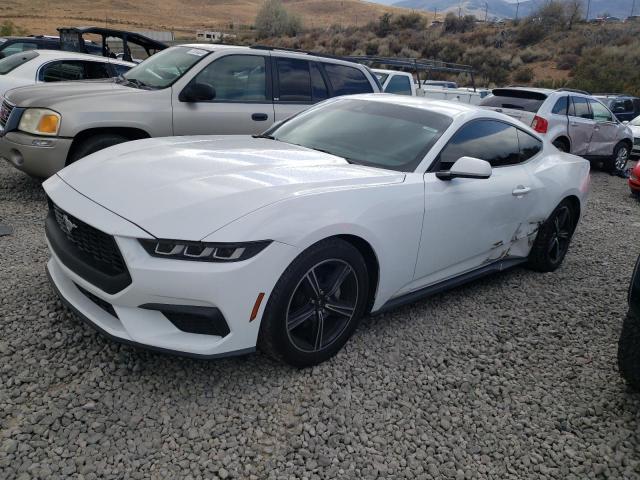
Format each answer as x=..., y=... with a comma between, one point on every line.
x=620, y=158
x=552, y=242
x=316, y=304
x=94, y=144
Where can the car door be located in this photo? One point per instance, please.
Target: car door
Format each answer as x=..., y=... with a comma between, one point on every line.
x=472, y=222
x=297, y=85
x=581, y=125
x=243, y=102
x=605, y=132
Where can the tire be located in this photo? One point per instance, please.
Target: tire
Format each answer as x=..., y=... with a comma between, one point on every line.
x=620, y=158
x=629, y=351
x=295, y=313
x=553, y=239
x=94, y=144
x=561, y=145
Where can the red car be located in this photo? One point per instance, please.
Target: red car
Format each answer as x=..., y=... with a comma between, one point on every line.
x=634, y=180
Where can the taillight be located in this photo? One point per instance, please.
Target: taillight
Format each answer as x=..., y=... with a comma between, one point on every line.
x=540, y=125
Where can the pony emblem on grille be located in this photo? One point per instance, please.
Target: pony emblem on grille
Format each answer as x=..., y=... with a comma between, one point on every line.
x=68, y=224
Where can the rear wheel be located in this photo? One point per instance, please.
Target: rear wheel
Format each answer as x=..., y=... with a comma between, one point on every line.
x=629, y=351
x=552, y=242
x=94, y=144
x=316, y=305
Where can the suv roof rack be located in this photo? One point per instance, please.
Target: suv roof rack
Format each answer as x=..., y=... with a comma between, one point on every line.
x=573, y=90
x=294, y=50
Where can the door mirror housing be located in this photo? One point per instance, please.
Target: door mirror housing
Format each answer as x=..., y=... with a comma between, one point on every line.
x=467, y=167
x=197, y=92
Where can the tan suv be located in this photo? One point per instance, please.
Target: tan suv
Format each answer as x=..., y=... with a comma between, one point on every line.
x=183, y=90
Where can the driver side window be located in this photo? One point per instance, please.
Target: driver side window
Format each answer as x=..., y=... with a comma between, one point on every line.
x=490, y=140
x=600, y=112
x=236, y=78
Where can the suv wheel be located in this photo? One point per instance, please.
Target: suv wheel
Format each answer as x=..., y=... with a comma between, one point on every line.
x=618, y=161
x=94, y=144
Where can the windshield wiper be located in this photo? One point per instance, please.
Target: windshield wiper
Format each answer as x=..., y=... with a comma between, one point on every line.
x=264, y=135
x=134, y=81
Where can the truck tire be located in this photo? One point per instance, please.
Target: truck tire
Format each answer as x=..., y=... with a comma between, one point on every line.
x=629, y=351
x=94, y=144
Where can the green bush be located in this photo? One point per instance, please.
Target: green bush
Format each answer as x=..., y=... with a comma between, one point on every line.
x=610, y=69
x=523, y=75
x=273, y=20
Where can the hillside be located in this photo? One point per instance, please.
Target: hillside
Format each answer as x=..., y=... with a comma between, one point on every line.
x=507, y=8
x=181, y=16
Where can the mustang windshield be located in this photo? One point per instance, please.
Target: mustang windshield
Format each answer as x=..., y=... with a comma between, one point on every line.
x=378, y=134
x=165, y=67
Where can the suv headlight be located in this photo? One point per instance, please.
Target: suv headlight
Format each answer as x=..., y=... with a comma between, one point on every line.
x=203, y=251
x=40, y=121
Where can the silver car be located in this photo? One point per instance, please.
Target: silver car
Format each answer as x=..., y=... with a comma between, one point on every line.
x=574, y=121
x=183, y=90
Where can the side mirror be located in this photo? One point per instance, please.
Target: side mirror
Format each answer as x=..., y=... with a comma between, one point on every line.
x=197, y=92
x=467, y=167
x=626, y=122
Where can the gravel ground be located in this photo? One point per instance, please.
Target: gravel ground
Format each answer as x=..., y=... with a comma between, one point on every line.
x=510, y=377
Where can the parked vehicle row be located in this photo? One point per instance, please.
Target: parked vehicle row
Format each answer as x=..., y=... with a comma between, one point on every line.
x=574, y=122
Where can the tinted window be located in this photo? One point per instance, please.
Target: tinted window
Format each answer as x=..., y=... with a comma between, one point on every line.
x=399, y=84
x=294, y=80
x=580, y=108
x=61, y=71
x=489, y=140
x=628, y=106
x=14, y=61
x=600, y=112
x=529, y=145
x=120, y=69
x=94, y=70
x=560, y=108
x=236, y=78
x=636, y=105
x=366, y=132
x=318, y=85
x=347, y=80
x=515, y=99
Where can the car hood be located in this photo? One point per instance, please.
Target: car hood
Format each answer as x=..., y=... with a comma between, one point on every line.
x=52, y=94
x=635, y=130
x=188, y=187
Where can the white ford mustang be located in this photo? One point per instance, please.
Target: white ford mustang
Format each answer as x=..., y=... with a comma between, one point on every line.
x=211, y=246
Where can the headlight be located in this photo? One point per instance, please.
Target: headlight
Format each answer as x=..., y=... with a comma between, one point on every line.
x=202, y=251
x=40, y=121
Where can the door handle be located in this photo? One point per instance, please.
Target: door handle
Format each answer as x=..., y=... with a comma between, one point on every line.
x=520, y=190
x=259, y=117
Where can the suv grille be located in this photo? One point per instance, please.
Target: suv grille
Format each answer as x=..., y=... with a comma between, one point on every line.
x=99, y=248
x=5, y=111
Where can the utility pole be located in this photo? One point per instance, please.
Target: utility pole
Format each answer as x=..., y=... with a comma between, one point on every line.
x=517, y=9
x=435, y=14
x=588, y=9
x=486, y=11
x=633, y=7
x=459, y=10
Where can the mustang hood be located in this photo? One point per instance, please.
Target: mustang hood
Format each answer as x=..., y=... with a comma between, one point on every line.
x=188, y=187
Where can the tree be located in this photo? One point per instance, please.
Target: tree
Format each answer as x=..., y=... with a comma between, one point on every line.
x=573, y=12
x=273, y=20
x=384, y=25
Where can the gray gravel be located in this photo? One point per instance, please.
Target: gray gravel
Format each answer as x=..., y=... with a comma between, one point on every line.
x=510, y=377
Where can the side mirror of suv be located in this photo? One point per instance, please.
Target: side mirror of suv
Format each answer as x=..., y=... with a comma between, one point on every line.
x=197, y=92
x=467, y=167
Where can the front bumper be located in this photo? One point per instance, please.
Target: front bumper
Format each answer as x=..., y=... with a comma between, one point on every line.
x=228, y=288
x=28, y=153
